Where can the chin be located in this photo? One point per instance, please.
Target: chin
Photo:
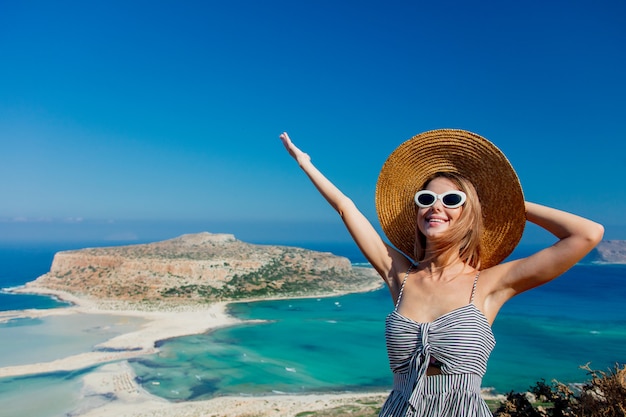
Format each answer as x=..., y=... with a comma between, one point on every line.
x=434, y=232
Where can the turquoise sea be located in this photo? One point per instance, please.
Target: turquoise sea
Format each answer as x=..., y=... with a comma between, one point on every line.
x=326, y=344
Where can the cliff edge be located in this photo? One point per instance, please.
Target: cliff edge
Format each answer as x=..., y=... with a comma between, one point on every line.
x=201, y=267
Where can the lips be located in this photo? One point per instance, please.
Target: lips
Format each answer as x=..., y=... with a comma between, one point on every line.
x=436, y=222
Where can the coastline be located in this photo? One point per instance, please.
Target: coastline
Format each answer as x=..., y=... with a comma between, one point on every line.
x=159, y=325
x=117, y=392
x=111, y=390
x=130, y=400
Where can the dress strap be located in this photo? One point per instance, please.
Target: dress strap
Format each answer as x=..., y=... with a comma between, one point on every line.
x=474, y=287
x=402, y=287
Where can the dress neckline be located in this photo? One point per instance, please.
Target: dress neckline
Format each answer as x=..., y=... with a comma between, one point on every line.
x=422, y=323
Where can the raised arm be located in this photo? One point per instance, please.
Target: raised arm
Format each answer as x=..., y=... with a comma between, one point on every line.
x=377, y=252
x=577, y=236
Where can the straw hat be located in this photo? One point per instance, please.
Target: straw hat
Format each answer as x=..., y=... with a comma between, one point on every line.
x=463, y=153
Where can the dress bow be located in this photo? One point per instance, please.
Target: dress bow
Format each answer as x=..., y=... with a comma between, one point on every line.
x=418, y=367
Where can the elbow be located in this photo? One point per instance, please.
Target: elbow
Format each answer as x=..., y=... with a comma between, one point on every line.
x=344, y=205
x=591, y=235
x=596, y=233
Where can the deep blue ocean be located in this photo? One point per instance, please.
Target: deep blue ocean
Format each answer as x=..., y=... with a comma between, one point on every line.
x=337, y=344
x=21, y=263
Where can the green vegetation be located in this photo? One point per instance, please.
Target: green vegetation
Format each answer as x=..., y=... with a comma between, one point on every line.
x=603, y=396
x=274, y=278
x=202, y=291
x=360, y=408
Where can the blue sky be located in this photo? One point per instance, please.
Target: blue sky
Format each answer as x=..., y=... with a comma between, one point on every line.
x=138, y=120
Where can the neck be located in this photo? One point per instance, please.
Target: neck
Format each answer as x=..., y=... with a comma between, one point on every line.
x=441, y=260
x=441, y=271
x=442, y=264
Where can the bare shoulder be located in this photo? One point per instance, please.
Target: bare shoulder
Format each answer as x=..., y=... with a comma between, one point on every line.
x=493, y=279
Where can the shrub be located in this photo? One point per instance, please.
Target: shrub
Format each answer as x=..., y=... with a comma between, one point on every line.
x=603, y=396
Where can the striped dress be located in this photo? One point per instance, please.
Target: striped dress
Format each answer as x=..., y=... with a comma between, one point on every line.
x=459, y=341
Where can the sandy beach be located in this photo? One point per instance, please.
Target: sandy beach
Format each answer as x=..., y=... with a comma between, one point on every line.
x=111, y=390
x=131, y=400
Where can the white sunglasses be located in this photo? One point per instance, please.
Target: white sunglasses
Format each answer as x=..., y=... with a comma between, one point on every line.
x=449, y=199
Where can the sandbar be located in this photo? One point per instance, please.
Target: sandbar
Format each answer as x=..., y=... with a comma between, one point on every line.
x=111, y=389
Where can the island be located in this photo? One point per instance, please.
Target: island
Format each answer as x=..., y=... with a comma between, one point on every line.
x=201, y=268
x=609, y=251
x=182, y=286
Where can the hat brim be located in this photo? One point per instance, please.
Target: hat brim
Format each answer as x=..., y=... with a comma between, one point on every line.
x=460, y=152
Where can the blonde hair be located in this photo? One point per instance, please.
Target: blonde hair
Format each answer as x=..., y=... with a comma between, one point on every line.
x=464, y=235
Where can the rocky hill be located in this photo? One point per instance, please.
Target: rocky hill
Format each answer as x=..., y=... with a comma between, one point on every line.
x=609, y=251
x=201, y=267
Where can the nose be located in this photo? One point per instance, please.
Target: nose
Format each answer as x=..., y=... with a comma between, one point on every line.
x=438, y=205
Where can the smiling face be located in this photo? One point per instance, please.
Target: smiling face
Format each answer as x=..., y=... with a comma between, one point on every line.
x=455, y=231
x=437, y=219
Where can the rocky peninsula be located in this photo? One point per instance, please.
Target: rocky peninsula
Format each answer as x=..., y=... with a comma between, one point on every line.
x=182, y=286
x=200, y=268
x=609, y=251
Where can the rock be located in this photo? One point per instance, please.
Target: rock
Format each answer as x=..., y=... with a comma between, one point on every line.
x=609, y=251
x=201, y=267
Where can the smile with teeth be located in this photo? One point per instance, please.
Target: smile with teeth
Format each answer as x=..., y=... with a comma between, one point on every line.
x=436, y=220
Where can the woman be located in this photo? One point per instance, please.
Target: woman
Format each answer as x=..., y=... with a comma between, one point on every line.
x=452, y=207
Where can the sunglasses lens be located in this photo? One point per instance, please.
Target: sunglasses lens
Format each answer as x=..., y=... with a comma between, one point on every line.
x=452, y=200
x=425, y=199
